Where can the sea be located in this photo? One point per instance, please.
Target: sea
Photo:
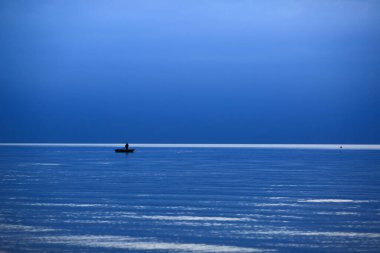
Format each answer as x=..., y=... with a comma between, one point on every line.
x=66, y=198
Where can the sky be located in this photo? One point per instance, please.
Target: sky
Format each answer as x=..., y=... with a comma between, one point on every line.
x=199, y=71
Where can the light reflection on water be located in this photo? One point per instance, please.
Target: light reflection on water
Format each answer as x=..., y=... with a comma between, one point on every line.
x=65, y=199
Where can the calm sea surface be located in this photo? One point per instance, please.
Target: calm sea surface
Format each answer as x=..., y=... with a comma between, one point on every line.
x=90, y=199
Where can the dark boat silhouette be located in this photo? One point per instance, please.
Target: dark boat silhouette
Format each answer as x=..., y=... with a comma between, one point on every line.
x=123, y=150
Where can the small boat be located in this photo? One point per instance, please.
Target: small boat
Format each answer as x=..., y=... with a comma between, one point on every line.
x=123, y=150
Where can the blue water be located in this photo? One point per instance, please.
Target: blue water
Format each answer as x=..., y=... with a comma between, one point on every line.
x=90, y=199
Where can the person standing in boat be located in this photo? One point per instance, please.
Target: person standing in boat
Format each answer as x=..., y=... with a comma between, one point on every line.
x=127, y=146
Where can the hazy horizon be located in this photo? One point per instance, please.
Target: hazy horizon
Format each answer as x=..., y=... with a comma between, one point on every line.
x=205, y=145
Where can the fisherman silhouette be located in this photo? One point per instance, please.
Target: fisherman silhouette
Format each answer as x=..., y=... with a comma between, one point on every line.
x=126, y=149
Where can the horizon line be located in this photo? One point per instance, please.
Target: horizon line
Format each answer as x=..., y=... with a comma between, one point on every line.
x=206, y=145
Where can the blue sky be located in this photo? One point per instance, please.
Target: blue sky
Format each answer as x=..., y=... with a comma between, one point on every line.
x=190, y=71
